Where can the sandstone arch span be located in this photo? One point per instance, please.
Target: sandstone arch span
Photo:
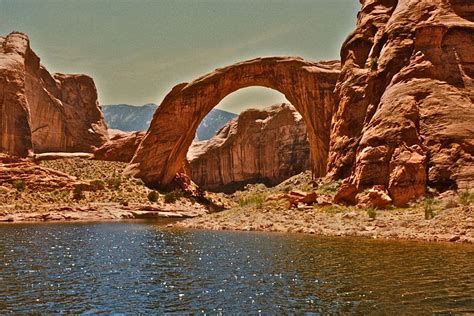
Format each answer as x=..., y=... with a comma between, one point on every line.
x=307, y=85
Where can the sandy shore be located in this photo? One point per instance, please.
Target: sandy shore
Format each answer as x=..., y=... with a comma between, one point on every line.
x=453, y=225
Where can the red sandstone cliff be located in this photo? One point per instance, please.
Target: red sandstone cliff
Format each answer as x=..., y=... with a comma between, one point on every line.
x=41, y=112
x=266, y=146
x=405, y=110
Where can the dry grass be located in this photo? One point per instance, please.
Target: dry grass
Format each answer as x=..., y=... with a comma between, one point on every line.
x=106, y=181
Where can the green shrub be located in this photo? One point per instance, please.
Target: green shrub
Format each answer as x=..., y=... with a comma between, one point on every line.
x=173, y=196
x=466, y=197
x=255, y=199
x=153, y=196
x=429, y=208
x=114, y=182
x=77, y=193
x=19, y=185
x=372, y=212
x=332, y=208
x=97, y=185
x=329, y=188
x=451, y=203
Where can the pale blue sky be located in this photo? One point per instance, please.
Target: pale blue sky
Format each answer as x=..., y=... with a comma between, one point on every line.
x=136, y=51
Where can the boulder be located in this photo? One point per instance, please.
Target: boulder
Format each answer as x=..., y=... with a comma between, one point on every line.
x=296, y=198
x=407, y=175
x=120, y=147
x=377, y=197
x=346, y=194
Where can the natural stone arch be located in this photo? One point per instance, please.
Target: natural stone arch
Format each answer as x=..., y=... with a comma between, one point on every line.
x=307, y=85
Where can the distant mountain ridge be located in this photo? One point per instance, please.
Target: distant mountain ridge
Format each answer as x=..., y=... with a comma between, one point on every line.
x=131, y=118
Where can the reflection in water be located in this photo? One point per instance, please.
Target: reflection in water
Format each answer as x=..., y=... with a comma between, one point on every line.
x=140, y=267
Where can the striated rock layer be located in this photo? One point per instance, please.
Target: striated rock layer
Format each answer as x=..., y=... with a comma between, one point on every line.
x=307, y=85
x=41, y=112
x=260, y=146
x=405, y=113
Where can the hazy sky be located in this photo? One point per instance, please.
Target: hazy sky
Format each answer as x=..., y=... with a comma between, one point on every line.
x=136, y=51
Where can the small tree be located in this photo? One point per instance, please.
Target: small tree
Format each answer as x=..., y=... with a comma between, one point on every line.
x=153, y=196
x=114, y=182
x=19, y=185
x=372, y=212
x=173, y=196
x=466, y=197
x=429, y=208
x=77, y=193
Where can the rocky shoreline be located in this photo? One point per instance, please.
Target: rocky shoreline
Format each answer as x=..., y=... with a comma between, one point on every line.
x=299, y=205
x=76, y=189
x=96, y=212
x=94, y=191
x=450, y=225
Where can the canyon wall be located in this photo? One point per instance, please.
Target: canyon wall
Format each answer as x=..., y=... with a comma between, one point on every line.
x=404, y=119
x=41, y=112
x=260, y=146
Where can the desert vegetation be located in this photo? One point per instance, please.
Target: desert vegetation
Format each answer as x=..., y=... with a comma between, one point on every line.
x=96, y=182
x=435, y=217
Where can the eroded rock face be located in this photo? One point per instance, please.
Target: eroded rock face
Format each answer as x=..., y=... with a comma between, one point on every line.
x=260, y=146
x=307, y=85
x=41, y=112
x=405, y=98
x=120, y=147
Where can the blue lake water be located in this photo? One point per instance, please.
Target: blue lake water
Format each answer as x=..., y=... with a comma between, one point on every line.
x=142, y=267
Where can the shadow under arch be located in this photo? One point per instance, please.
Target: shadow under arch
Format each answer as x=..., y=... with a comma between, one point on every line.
x=307, y=85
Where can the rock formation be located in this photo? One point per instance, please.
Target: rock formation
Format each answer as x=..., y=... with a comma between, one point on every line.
x=405, y=113
x=41, y=112
x=120, y=147
x=307, y=85
x=264, y=146
x=26, y=174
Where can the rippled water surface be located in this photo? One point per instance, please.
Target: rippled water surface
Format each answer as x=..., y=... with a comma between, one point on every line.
x=142, y=267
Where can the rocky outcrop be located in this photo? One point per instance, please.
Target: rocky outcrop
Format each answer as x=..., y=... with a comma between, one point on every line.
x=260, y=146
x=120, y=147
x=40, y=112
x=307, y=85
x=23, y=173
x=405, y=99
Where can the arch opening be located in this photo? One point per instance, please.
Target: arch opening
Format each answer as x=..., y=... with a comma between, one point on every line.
x=267, y=143
x=307, y=85
x=251, y=97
